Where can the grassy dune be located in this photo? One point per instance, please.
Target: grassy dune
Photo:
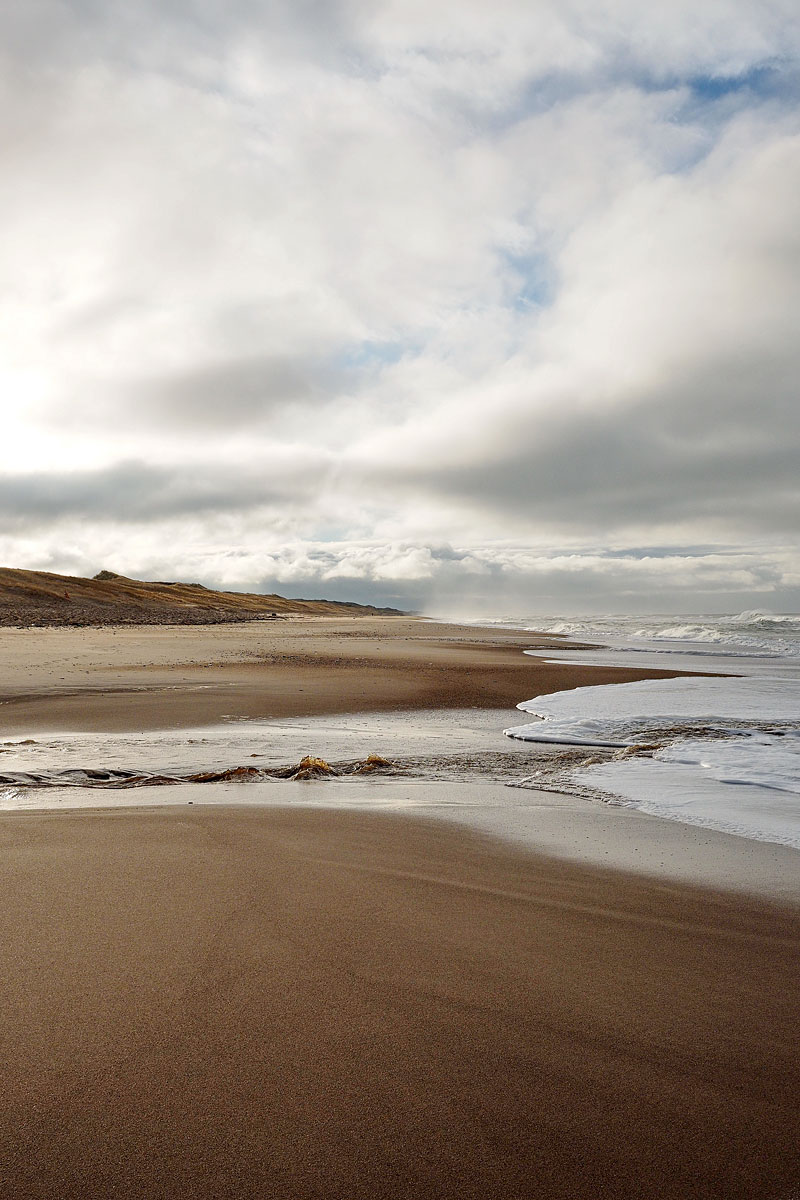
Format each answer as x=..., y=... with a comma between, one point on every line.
x=43, y=598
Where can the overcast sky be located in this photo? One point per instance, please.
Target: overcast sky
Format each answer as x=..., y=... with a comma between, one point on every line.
x=472, y=307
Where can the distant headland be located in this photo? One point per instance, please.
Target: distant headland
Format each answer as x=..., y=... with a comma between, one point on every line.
x=31, y=598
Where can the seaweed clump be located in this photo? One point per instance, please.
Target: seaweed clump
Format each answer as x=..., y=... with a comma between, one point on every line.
x=373, y=762
x=311, y=767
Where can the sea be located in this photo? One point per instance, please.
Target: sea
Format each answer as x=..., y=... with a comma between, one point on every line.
x=719, y=748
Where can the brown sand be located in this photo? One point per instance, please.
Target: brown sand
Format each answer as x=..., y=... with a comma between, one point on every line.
x=202, y=1003
x=154, y=677
x=266, y=1003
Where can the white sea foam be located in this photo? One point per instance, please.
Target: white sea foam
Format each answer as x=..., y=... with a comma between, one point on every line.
x=728, y=753
x=724, y=751
x=622, y=710
x=773, y=635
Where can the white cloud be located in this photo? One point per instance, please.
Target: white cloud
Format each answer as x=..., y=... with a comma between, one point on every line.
x=371, y=277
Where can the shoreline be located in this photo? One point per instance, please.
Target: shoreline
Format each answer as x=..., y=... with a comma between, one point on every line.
x=384, y=987
x=383, y=667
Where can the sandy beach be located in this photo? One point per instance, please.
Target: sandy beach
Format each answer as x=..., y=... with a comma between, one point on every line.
x=400, y=600
x=295, y=1002
x=153, y=677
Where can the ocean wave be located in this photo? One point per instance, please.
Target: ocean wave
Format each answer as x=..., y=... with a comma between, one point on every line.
x=722, y=752
x=753, y=632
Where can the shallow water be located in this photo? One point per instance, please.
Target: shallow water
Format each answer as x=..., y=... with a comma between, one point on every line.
x=723, y=753
x=463, y=744
x=720, y=752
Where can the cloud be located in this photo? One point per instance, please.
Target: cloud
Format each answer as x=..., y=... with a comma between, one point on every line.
x=660, y=387
x=392, y=278
x=131, y=492
x=231, y=394
x=478, y=581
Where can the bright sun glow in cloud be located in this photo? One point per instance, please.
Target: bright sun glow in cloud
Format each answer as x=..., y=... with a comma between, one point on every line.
x=455, y=306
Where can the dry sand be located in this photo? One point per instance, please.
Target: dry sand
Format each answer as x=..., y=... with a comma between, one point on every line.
x=210, y=1003
x=249, y=1003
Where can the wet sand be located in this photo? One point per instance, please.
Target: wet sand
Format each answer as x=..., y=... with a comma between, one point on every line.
x=247, y=1003
x=155, y=677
